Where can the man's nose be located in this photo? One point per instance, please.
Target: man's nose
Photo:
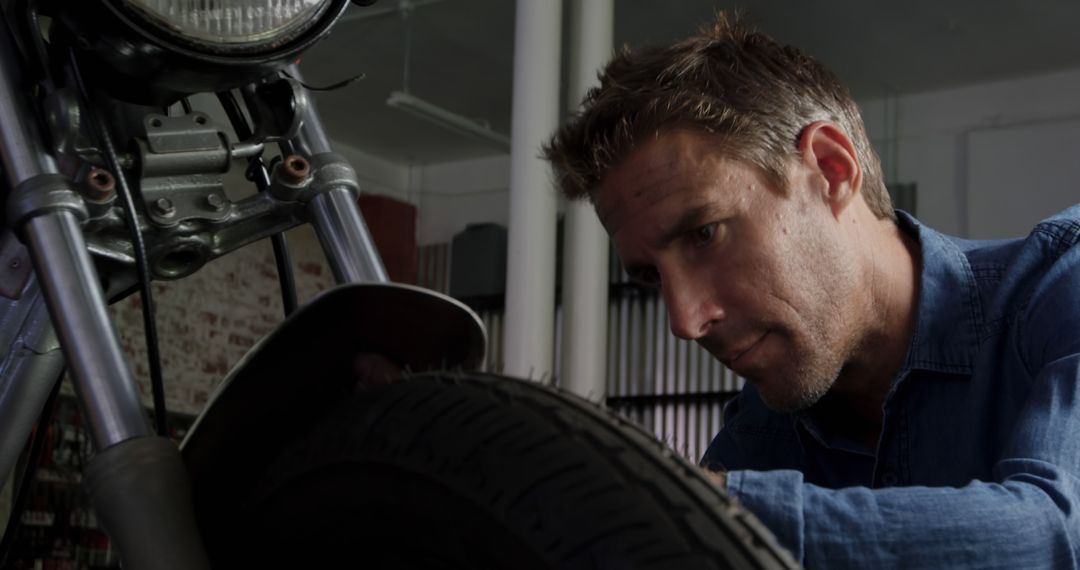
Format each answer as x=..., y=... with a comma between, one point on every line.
x=691, y=308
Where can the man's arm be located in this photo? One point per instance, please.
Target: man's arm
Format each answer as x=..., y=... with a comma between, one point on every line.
x=1016, y=524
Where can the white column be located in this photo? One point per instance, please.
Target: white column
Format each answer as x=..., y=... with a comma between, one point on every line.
x=585, y=244
x=528, y=343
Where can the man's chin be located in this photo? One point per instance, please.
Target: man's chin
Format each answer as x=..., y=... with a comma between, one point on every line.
x=785, y=406
x=783, y=400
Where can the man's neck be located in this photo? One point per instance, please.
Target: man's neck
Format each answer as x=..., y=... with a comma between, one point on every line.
x=893, y=274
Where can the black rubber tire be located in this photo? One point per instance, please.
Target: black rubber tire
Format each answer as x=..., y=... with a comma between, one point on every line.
x=454, y=470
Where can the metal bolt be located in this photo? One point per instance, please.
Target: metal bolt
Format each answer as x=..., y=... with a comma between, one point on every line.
x=215, y=201
x=164, y=206
x=295, y=169
x=99, y=185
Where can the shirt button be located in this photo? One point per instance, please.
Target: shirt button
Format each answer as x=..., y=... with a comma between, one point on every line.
x=890, y=479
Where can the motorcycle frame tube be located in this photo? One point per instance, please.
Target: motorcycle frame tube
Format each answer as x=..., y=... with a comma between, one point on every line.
x=32, y=367
x=103, y=380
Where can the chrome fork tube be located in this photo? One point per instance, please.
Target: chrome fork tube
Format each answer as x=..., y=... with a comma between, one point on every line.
x=335, y=213
x=103, y=380
x=65, y=272
x=345, y=238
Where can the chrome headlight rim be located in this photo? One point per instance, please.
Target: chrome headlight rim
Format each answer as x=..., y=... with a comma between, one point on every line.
x=240, y=53
x=130, y=62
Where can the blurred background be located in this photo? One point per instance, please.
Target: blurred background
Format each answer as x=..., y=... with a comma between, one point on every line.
x=976, y=103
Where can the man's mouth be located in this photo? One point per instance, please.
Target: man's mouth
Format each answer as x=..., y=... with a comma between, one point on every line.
x=743, y=354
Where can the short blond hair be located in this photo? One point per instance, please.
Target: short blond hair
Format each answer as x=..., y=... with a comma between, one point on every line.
x=753, y=95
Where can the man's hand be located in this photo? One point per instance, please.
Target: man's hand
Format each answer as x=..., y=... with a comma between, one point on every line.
x=719, y=478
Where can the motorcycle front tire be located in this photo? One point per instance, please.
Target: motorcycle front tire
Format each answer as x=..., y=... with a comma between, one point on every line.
x=455, y=470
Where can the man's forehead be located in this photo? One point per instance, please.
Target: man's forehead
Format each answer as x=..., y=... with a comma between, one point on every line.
x=677, y=163
x=658, y=168
x=619, y=195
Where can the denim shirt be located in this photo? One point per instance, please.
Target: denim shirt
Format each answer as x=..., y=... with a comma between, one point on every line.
x=978, y=462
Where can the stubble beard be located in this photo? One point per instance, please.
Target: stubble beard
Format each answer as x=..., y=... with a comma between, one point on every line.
x=820, y=348
x=817, y=355
x=811, y=370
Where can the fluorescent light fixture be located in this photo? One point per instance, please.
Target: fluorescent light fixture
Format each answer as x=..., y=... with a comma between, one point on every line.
x=447, y=119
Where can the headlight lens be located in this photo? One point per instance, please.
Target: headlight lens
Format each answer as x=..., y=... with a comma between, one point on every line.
x=237, y=25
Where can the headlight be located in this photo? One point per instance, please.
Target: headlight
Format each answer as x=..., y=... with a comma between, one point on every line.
x=230, y=26
x=153, y=52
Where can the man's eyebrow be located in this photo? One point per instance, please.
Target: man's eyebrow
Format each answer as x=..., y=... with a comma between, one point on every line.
x=691, y=219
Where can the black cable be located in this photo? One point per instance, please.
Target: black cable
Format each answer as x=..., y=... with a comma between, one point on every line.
x=22, y=493
x=186, y=105
x=258, y=173
x=285, y=274
x=101, y=133
x=287, y=149
x=30, y=31
x=332, y=86
x=124, y=294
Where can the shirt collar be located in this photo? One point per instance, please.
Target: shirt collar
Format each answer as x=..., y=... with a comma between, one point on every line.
x=946, y=328
x=950, y=314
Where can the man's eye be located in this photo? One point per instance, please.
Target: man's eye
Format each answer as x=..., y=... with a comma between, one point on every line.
x=703, y=235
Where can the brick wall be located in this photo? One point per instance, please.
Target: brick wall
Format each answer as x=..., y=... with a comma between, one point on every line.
x=208, y=321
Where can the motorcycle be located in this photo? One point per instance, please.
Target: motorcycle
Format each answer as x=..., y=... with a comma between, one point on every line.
x=299, y=459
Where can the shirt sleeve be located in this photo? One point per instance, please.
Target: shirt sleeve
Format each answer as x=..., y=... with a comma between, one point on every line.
x=1015, y=524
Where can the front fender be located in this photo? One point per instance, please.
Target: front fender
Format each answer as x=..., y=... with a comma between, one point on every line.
x=306, y=365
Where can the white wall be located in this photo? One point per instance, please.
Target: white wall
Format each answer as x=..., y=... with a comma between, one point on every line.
x=978, y=152
x=377, y=175
x=957, y=145
x=454, y=194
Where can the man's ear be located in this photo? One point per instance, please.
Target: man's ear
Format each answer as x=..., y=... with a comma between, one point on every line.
x=830, y=154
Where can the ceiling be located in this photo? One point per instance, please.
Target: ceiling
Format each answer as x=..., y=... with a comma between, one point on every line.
x=460, y=55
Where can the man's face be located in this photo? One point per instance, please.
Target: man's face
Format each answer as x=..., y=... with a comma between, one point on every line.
x=758, y=277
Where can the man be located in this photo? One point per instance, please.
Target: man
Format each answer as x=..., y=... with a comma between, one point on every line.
x=912, y=399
